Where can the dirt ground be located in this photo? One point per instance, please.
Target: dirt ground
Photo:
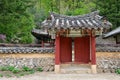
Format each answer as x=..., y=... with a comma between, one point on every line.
x=54, y=76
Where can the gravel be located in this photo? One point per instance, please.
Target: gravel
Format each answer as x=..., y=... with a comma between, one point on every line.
x=54, y=76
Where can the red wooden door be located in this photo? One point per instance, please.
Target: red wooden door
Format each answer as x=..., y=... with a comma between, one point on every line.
x=82, y=49
x=66, y=49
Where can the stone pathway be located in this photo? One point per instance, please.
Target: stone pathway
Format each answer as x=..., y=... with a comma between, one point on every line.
x=53, y=76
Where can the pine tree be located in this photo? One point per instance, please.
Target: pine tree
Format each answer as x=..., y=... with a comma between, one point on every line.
x=111, y=10
x=15, y=21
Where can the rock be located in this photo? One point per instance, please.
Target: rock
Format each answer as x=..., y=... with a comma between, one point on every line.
x=108, y=64
x=112, y=70
x=45, y=63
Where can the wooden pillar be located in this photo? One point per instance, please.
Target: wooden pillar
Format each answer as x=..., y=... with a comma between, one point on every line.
x=93, y=54
x=57, y=54
x=42, y=43
x=93, y=50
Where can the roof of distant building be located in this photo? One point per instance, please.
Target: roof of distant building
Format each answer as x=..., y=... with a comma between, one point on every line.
x=39, y=34
x=113, y=32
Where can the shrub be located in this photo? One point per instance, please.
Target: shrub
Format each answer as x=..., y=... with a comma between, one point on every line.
x=39, y=69
x=22, y=74
x=118, y=71
x=3, y=68
x=1, y=75
x=16, y=70
x=25, y=68
x=10, y=68
x=32, y=71
x=8, y=75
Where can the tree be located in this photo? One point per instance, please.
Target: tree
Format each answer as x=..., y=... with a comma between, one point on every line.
x=18, y=17
x=75, y=7
x=15, y=21
x=111, y=10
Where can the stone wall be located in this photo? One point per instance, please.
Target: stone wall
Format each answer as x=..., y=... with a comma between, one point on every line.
x=45, y=61
x=107, y=45
x=100, y=40
x=108, y=61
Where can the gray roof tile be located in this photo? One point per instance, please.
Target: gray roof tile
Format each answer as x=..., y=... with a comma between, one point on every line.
x=113, y=32
x=91, y=20
x=26, y=50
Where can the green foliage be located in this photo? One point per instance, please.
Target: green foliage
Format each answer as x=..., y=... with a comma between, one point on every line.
x=19, y=17
x=25, y=68
x=39, y=69
x=111, y=10
x=1, y=75
x=32, y=71
x=15, y=20
x=8, y=75
x=22, y=74
x=10, y=68
x=117, y=71
x=69, y=7
x=16, y=70
x=81, y=7
x=3, y=68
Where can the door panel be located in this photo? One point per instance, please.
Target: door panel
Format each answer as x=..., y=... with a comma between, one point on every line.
x=66, y=49
x=82, y=49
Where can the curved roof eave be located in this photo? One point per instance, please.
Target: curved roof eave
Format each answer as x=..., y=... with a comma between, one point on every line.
x=91, y=20
x=113, y=32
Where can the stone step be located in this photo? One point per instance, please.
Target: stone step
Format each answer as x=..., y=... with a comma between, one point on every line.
x=75, y=65
x=75, y=68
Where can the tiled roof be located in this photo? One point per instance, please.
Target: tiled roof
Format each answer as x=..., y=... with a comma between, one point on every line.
x=91, y=20
x=26, y=50
x=39, y=34
x=113, y=32
x=12, y=50
x=107, y=47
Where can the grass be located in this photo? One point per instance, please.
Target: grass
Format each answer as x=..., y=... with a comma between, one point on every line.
x=10, y=68
x=1, y=75
x=8, y=75
x=9, y=71
x=39, y=69
x=3, y=68
x=16, y=70
x=32, y=71
x=22, y=74
x=25, y=68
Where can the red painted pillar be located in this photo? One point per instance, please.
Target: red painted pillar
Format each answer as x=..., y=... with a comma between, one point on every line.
x=93, y=50
x=42, y=43
x=57, y=50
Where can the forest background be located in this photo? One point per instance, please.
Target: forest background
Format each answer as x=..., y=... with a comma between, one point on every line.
x=19, y=17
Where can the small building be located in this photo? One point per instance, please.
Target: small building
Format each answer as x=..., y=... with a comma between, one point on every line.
x=115, y=33
x=75, y=34
x=42, y=37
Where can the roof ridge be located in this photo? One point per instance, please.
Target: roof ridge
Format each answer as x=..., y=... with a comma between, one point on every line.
x=94, y=15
